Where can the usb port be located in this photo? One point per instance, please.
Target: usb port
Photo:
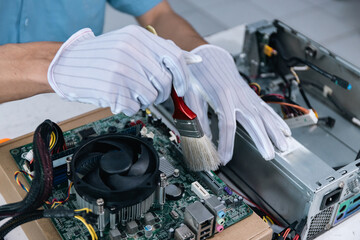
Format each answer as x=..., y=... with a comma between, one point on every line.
x=205, y=236
x=205, y=232
x=205, y=224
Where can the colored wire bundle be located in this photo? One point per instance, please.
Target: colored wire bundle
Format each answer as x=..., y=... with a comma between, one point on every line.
x=289, y=108
x=16, y=175
x=256, y=87
x=55, y=203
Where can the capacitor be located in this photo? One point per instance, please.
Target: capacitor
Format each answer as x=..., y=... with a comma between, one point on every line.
x=150, y=118
x=157, y=122
x=148, y=231
x=236, y=202
x=171, y=233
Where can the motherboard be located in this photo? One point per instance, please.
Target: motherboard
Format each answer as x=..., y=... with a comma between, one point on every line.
x=194, y=205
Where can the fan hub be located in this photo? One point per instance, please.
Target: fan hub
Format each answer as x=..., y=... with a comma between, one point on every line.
x=116, y=162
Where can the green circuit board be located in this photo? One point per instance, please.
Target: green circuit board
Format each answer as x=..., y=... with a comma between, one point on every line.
x=170, y=151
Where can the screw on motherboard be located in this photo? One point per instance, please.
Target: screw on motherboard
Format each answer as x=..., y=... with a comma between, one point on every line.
x=68, y=167
x=100, y=203
x=112, y=218
x=176, y=172
x=161, y=190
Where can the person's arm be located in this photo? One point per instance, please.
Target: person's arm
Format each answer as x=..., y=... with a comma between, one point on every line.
x=169, y=25
x=23, y=69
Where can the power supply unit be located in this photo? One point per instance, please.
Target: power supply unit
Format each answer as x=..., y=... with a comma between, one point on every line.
x=317, y=181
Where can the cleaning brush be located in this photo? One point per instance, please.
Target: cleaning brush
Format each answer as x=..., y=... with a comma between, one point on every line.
x=199, y=151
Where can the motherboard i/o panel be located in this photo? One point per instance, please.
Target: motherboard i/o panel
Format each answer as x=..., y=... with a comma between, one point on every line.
x=129, y=171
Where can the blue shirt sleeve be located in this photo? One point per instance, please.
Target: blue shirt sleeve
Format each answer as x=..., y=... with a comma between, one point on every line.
x=134, y=7
x=56, y=20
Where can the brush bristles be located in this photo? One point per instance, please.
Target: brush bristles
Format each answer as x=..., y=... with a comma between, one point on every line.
x=200, y=153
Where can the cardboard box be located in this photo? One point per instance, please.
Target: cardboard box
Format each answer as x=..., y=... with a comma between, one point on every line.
x=250, y=228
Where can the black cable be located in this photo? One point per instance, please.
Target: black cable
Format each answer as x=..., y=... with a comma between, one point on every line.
x=300, y=227
x=19, y=220
x=346, y=114
x=302, y=92
x=246, y=77
x=41, y=187
x=47, y=213
x=293, y=61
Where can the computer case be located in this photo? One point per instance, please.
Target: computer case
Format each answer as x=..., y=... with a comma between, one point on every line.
x=317, y=179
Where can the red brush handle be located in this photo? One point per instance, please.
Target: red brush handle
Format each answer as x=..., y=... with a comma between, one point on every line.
x=182, y=111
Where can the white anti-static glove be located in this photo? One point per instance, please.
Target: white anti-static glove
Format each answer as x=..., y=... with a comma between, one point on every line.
x=125, y=70
x=217, y=83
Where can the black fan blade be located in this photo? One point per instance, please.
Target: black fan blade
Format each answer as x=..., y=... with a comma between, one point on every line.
x=120, y=146
x=93, y=178
x=125, y=183
x=141, y=165
x=88, y=162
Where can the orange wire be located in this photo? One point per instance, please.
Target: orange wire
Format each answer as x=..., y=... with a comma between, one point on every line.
x=304, y=110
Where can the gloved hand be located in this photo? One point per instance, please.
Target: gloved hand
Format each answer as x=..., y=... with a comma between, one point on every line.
x=125, y=69
x=217, y=83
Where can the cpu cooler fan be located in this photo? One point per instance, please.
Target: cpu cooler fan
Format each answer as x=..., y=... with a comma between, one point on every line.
x=123, y=170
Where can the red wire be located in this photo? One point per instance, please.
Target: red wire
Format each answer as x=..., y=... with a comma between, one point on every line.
x=286, y=233
x=296, y=237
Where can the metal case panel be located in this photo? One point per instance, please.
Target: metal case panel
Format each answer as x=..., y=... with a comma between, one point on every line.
x=318, y=176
